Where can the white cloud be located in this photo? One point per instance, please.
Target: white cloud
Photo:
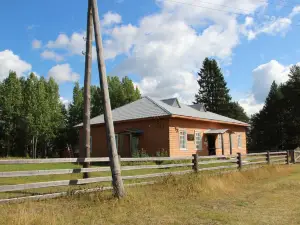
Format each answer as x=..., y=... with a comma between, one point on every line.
x=250, y=104
x=36, y=44
x=63, y=73
x=264, y=75
x=295, y=11
x=52, y=56
x=165, y=49
x=111, y=18
x=62, y=41
x=10, y=61
x=270, y=25
x=64, y=101
x=73, y=45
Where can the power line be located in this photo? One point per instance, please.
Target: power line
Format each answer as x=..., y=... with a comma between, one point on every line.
x=215, y=9
x=226, y=6
x=220, y=10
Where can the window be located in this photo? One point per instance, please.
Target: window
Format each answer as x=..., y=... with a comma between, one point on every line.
x=219, y=144
x=117, y=139
x=231, y=136
x=182, y=139
x=198, y=140
x=239, y=139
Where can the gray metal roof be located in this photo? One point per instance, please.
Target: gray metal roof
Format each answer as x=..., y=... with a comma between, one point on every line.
x=147, y=107
x=188, y=111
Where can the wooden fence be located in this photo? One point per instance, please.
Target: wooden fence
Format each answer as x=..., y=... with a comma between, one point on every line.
x=189, y=164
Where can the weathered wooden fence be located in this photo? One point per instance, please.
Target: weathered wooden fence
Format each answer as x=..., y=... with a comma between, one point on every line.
x=189, y=164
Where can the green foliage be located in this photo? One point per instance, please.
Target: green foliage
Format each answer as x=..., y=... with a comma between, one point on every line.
x=236, y=111
x=162, y=153
x=214, y=94
x=32, y=115
x=140, y=154
x=120, y=93
x=277, y=125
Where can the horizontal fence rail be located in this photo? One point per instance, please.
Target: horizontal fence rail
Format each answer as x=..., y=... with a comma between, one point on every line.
x=54, y=160
x=189, y=164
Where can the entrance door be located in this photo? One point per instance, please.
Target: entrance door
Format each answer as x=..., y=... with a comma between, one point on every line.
x=211, y=141
x=134, y=145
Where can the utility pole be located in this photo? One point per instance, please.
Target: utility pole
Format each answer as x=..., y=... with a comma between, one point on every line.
x=87, y=87
x=115, y=167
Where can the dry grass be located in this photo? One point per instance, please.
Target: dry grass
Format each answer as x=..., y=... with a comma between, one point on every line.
x=268, y=195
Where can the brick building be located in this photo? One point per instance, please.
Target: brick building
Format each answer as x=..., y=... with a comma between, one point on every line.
x=155, y=126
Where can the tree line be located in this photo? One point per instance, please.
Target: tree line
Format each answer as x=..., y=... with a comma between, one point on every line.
x=275, y=127
x=35, y=123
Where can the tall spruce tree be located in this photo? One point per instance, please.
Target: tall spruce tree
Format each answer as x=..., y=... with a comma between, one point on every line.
x=267, y=126
x=213, y=92
x=236, y=111
x=291, y=106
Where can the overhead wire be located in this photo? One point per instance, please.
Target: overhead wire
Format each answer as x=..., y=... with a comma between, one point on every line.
x=215, y=9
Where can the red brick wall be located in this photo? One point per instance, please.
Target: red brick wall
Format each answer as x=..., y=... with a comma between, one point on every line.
x=192, y=125
x=154, y=138
x=164, y=134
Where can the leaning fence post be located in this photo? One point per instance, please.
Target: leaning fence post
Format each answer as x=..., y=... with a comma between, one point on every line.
x=195, y=162
x=293, y=156
x=268, y=158
x=287, y=157
x=239, y=160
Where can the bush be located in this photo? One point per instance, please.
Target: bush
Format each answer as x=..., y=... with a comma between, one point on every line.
x=161, y=153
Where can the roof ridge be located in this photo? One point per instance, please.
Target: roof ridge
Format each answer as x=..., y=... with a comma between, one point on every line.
x=151, y=100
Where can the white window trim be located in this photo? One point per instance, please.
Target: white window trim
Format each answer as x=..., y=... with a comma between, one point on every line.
x=219, y=141
x=232, y=139
x=183, y=149
x=239, y=136
x=201, y=143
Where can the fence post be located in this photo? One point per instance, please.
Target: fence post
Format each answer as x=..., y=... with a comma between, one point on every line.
x=287, y=157
x=195, y=162
x=239, y=160
x=268, y=158
x=293, y=156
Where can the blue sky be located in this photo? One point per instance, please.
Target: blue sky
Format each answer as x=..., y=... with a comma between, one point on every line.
x=160, y=44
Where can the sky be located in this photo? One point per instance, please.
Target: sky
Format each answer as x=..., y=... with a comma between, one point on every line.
x=159, y=44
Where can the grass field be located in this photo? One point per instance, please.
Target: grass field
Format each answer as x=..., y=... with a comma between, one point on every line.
x=269, y=195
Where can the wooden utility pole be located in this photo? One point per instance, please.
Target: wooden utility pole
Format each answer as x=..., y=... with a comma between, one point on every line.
x=117, y=181
x=87, y=84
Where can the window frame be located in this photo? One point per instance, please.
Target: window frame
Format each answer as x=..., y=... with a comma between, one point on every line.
x=185, y=138
x=195, y=140
x=219, y=141
x=232, y=137
x=239, y=140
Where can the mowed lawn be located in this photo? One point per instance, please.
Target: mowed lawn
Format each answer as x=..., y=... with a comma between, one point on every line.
x=269, y=195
